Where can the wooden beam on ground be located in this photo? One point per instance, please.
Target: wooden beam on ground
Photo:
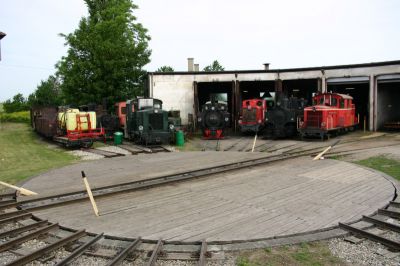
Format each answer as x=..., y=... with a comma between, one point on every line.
x=23, y=191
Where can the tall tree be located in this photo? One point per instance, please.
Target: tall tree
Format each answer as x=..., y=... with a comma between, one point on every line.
x=106, y=54
x=165, y=69
x=48, y=93
x=215, y=66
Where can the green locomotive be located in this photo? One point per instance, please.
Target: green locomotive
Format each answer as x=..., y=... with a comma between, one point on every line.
x=147, y=123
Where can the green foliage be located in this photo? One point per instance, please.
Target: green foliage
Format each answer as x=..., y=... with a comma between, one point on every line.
x=383, y=164
x=106, y=55
x=48, y=93
x=1, y=108
x=18, y=117
x=165, y=69
x=22, y=155
x=17, y=104
x=214, y=67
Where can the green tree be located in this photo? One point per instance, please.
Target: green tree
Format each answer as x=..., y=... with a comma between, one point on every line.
x=106, y=55
x=165, y=69
x=17, y=104
x=48, y=93
x=215, y=66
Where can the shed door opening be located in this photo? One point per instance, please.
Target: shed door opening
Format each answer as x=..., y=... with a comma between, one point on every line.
x=388, y=111
x=222, y=91
x=358, y=88
x=300, y=88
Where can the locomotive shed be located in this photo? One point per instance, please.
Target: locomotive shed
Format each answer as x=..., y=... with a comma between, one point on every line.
x=253, y=203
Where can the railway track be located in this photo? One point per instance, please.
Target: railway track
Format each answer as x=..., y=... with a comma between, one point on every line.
x=61, y=246
x=379, y=228
x=132, y=149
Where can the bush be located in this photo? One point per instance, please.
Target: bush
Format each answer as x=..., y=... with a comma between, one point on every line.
x=19, y=117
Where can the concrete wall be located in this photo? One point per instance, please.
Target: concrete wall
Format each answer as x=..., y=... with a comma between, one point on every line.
x=176, y=89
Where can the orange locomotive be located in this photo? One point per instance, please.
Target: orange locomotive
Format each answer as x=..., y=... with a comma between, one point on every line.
x=253, y=115
x=329, y=113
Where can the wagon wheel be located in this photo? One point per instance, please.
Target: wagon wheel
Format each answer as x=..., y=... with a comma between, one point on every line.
x=87, y=143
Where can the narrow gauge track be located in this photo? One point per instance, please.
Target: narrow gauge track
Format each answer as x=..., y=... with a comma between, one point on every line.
x=388, y=220
x=77, y=243
x=132, y=149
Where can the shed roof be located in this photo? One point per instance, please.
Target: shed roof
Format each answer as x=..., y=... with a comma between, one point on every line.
x=372, y=64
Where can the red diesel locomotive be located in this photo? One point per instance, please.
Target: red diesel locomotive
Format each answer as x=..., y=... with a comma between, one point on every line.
x=253, y=115
x=329, y=113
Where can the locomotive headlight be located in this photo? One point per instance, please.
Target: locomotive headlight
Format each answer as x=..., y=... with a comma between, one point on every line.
x=226, y=119
x=156, y=111
x=199, y=119
x=171, y=127
x=323, y=124
x=266, y=119
x=206, y=108
x=140, y=128
x=222, y=108
x=292, y=119
x=212, y=108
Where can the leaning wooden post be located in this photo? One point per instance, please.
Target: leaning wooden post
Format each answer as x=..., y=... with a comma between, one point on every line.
x=325, y=151
x=89, y=191
x=23, y=191
x=254, y=143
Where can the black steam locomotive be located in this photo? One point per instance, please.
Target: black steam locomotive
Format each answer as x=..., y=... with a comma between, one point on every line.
x=282, y=119
x=214, y=119
x=147, y=123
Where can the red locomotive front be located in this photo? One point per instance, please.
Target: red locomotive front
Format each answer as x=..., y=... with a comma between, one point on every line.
x=253, y=115
x=329, y=113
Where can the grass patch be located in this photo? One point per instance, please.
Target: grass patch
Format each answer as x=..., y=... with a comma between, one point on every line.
x=18, y=117
x=315, y=254
x=22, y=154
x=383, y=164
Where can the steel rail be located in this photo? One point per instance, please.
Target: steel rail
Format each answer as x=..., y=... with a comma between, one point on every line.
x=382, y=224
x=384, y=241
x=79, y=251
x=21, y=239
x=154, y=255
x=22, y=229
x=124, y=253
x=22, y=216
x=391, y=214
x=40, y=252
x=395, y=204
x=9, y=205
x=11, y=214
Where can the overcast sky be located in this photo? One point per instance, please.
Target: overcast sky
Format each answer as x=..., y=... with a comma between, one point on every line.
x=239, y=34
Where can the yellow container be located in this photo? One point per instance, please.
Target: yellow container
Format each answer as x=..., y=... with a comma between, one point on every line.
x=69, y=120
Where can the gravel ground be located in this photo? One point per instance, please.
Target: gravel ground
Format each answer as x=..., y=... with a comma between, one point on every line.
x=364, y=253
x=83, y=155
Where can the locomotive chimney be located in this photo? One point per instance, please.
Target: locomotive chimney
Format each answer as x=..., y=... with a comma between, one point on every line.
x=196, y=67
x=190, y=64
x=266, y=66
